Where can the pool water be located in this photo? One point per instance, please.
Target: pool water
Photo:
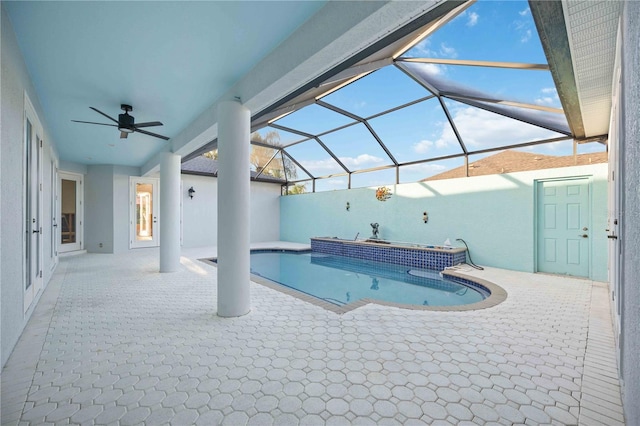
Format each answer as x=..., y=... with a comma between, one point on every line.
x=342, y=280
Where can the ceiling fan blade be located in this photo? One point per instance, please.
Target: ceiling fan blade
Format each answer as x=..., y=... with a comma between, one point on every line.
x=92, y=122
x=151, y=134
x=148, y=124
x=124, y=135
x=100, y=112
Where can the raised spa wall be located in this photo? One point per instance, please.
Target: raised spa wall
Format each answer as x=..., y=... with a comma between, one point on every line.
x=416, y=257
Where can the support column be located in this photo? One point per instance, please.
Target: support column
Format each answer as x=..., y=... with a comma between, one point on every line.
x=233, y=209
x=169, y=212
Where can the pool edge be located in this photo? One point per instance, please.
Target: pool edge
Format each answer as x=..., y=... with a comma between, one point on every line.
x=497, y=294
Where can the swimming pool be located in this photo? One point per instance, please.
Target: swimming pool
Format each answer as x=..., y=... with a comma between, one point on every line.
x=343, y=280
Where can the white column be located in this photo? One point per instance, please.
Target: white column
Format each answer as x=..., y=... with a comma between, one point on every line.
x=169, y=212
x=233, y=209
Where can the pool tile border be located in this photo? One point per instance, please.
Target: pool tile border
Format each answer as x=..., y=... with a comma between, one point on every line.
x=422, y=257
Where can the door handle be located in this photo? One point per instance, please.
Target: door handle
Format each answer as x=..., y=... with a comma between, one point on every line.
x=583, y=236
x=36, y=232
x=613, y=237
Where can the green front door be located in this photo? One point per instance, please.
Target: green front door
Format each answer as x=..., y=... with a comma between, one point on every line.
x=563, y=227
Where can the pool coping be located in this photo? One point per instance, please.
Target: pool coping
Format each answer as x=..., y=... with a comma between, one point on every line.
x=497, y=293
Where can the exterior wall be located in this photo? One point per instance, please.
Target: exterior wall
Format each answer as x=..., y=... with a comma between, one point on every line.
x=630, y=213
x=121, y=209
x=15, y=83
x=107, y=208
x=200, y=215
x=98, y=209
x=495, y=215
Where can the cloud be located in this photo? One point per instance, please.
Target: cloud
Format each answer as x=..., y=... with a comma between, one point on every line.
x=329, y=166
x=448, y=51
x=424, y=48
x=524, y=12
x=419, y=171
x=362, y=161
x=549, y=97
x=423, y=146
x=432, y=168
x=321, y=167
x=480, y=129
x=434, y=69
x=544, y=101
x=522, y=29
x=472, y=19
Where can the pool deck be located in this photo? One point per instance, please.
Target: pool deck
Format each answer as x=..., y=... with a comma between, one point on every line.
x=113, y=341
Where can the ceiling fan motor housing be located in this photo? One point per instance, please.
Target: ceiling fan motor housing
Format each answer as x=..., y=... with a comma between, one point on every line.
x=125, y=123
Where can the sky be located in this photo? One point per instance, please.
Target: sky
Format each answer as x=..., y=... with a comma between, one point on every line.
x=487, y=30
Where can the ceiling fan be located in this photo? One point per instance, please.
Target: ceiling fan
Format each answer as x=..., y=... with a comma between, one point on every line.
x=126, y=123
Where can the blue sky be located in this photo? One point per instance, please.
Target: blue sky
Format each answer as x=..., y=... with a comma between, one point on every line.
x=487, y=30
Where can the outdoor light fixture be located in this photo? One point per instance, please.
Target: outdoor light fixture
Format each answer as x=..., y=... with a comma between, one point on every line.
x=425, y=217
x=348, y=206
x=191, y=192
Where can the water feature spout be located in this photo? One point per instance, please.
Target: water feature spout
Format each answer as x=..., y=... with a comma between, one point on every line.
x=375, y=230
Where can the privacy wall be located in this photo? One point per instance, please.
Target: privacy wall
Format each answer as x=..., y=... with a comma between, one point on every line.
x=107, y=198
x=630, y=235
x=494, y=214
x=200, y=214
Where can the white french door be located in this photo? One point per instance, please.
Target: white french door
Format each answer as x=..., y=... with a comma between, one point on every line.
x=71, y=217
x=33, y=205
x=614, y=210
x=144, y=207
x=55, y=212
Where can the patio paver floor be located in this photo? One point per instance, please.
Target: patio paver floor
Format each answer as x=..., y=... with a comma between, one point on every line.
x=115, y=342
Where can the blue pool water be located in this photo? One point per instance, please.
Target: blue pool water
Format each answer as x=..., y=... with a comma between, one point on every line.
x=342, y=280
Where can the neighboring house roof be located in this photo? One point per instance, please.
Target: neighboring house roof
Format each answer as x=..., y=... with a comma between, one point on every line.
x=510, y=161
x=209, y=167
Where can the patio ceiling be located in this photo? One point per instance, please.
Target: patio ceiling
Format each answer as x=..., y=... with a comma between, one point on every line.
x=169, y=60
x=173, y=61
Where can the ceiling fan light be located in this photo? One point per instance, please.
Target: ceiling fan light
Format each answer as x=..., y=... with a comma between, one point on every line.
x=125, y=129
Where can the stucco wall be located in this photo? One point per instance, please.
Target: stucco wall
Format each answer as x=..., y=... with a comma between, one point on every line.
x=99, y=209
x=15, y=82
x=200, y=215
x=495, y=215
x=121, y=197
x=107, y=208
x=630, y=230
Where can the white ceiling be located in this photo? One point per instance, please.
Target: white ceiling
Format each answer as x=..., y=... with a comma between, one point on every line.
x=591, y=29
x=169, y=60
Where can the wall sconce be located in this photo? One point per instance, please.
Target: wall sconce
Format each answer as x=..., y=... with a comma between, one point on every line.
x=425, y=217
x=191, y=192
x=348, y=206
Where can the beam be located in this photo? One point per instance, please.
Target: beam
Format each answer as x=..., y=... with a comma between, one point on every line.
x=549, y=19
x=490, y=64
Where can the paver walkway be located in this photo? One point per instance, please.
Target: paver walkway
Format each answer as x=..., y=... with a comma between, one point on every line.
x=115, y=342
